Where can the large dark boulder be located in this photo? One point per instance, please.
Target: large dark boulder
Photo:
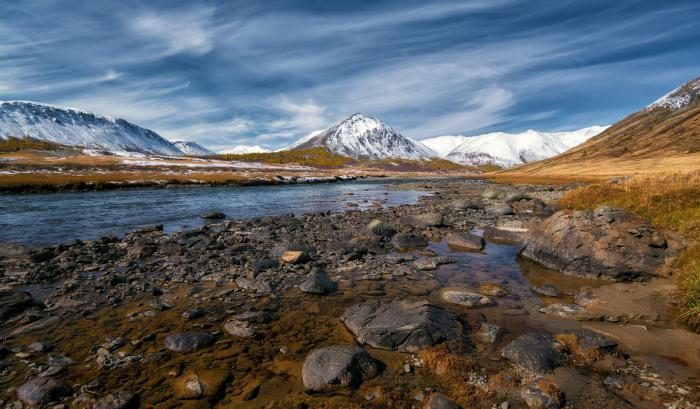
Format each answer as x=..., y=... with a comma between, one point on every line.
x=408, y=241
x=337, y=366
x=14, y=302
x=41, y=390
x=534, y=352
x=404, y=325
x=606, y=242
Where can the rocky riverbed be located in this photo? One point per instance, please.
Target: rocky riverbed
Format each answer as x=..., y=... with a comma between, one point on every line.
x=430, y=305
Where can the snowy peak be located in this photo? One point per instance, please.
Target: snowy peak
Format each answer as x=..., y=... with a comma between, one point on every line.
x=73, y=127
x=679, y=98
x=443, y=145
x=508, y=150
x=190, y=148
x=243, y=149
x=361, y=136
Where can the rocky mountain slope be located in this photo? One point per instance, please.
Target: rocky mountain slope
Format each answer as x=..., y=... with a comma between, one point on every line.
x=363, y=137
x=508, y=150
x=193, y=148
x=664, y=134
x=73, y=127
x=243, y=149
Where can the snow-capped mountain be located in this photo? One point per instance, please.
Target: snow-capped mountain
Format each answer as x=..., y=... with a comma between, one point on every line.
x=361, y=136
x=73, y=127
x=679, y=98
x=243, y=149
x=443, y=145
x=190, y=148
x=508, y=150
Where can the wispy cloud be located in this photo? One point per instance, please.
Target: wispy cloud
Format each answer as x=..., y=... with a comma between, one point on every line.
x=184, y=31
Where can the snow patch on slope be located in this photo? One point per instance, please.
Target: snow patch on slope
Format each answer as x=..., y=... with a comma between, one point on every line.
x=190, y=148
x=74, y=127
x=443, y=145
x=243, y=149
x=508, y=150
x=361, y=136
x=679, y=97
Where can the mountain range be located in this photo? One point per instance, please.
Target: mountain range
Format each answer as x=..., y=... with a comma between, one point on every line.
x=243, y=149
x=190, y=148
x=508, y=150
x=666, y=130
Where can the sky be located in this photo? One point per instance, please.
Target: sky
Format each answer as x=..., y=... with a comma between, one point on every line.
x=225, y=73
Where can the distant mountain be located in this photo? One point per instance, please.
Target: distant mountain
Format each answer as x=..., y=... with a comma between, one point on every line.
x=363, y=137
x=190, y=148
x=74, y=127
x=442, y=145
x=508, y=150
x=666, y=131
x=243, y=149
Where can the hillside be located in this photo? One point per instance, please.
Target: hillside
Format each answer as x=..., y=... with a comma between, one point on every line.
x=664, y=136
x=72, y=127
x=190, y=148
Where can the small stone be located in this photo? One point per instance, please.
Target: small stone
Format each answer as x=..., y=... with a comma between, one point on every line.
x=440, y=401
x=40, y=346
x=547, y=290
x=41, y=390
x=239, y=328
x=563, y=310
x=213, y=215
x=197, y=383
x=337, y=366
x=465, y=298
x=465, y=242
x=118, y=400
x=542, y=395
x=188, y=341
x=295, y=257
x=318, y=282
x=489, y=334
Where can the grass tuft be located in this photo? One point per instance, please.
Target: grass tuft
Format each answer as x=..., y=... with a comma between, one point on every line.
x=670, y=201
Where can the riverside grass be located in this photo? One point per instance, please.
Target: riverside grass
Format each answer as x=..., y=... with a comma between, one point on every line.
x=670, y=201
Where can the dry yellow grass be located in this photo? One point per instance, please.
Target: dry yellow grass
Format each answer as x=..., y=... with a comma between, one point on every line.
x=669, y=201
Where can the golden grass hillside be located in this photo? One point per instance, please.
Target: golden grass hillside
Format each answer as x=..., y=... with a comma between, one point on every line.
x=14, y=144
x=316, y=157
x=669, y=201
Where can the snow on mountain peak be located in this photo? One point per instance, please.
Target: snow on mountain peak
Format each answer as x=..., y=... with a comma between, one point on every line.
x=508, y=150
x=362, y=136
x=193, y=148
x=679, y=97
x=243, y=149
x=74, y=127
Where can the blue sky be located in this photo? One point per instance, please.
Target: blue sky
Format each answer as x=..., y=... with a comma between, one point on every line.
x=224, y=73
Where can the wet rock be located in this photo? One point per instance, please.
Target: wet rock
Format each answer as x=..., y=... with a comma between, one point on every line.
x=408, y=241
x=240, y=328
x=465, y=298
x=542, y=395
x=492, y=290
x=489, y=334
x=195, y=384
x=265, y=264
x=464, y=204
x=534, y=352
x=13, y=303
x=193, y=314
x=337, y=366
x=426, y=220
x=606, y=242
x=563, y=310
x=381, y=228
x=295, y=257
x=260, y=284
x=505, y=236
x=499, y=209
x=465, y=241
x=586, y=297
x=440, y=401
x=547, y=290
x=586, y=346
x=404, y=325
x=318, y=282
x=188, y=341
x=213, y=215
x=40, y=346
x=118, y=400
x=41, y=390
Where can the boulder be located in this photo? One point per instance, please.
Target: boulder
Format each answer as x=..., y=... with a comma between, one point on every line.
x=426, y=220
x=260, y=284
x=381, y=228
x=337, y=366
x=465, y=204
x=403, y=325
x=465, y=242
x=295, y=257
x=503, y=235
x=213, y=215
x=41, y=390
x=408, y=241
x=542, y=395
x=499, y=209
x=318, y=282
x=606, y=242
x=13, y=302
x=547, y=290
x=240, y=328
x=195, y=384
x=118, y=400
x=188, y=341
x=465, y=298
x=563, y=310
x=440, y=401
x=489, y=334
x=534, y=352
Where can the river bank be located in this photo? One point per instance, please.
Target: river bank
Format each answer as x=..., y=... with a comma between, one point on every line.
x=232, y=314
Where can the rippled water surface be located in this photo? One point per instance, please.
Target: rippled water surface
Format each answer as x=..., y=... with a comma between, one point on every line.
x=61, y=217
